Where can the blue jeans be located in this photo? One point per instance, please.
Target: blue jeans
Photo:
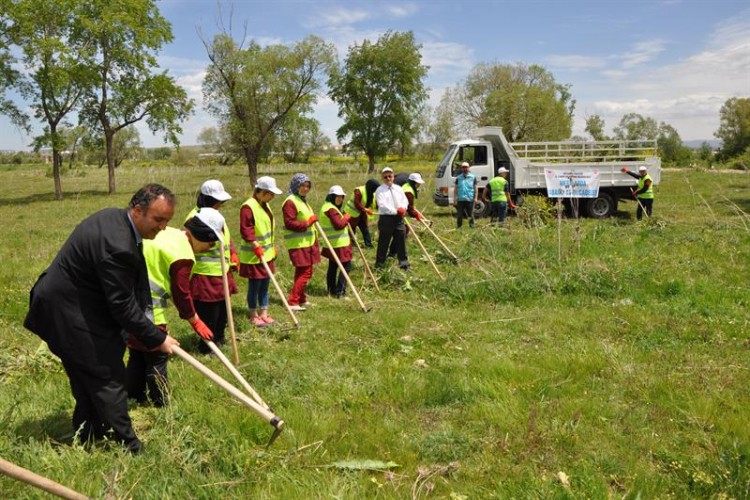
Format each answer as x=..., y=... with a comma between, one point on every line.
x=499, y=211
x=257, y=293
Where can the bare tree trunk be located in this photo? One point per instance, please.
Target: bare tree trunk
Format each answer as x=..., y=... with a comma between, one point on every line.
x=251, y=158
x=110, y=150
x=370, y=163
x=56, y=164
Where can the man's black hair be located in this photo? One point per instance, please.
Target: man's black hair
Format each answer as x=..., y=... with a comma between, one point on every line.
x=148, y=193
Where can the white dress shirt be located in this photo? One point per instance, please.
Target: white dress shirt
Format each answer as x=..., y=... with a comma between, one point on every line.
x=390, y=198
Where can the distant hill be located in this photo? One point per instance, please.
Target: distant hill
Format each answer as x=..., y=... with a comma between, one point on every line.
x=715, y=143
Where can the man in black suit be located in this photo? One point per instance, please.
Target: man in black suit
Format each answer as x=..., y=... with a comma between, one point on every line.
x=94, y=293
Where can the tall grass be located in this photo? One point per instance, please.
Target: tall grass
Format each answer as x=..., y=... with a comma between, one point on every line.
x=603, y=358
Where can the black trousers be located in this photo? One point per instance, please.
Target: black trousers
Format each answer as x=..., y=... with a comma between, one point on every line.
x=391, y=231
x=465, y=209
x=363, y=226
x=648, y=204
x=100, y=395
x=147, y=371
x=214, y=315
x=335, y=280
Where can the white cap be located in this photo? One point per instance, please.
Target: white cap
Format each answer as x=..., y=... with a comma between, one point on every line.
x=213, y=219
x=337, y=190
x=416, y=177
x=267, y=184
x=386, y=169
x=215, y=189
x=642, y=168
x=502, y=170
x=465, y=164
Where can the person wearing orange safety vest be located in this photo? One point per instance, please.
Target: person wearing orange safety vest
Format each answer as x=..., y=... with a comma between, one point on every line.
x=169, y=261
x=300, y=238
x=257, y=229
x=206, y=283
x=334, y=225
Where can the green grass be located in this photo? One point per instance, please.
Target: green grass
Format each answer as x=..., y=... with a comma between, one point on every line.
x=612, y=351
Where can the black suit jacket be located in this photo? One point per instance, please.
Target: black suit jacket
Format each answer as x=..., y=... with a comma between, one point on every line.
x=94, y=292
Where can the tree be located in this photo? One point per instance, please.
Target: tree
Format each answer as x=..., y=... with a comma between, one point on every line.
x=9, y=77
x=525, y=101
x=295, y=137
x=124, y=37
x=671, y=149
x=254, y=89
x=219, y=144
x=595, y=127
x=634, y=127
x=379, y=91
x=440, y=123
x=49, y=35
x=126, y=145
x=734, y=127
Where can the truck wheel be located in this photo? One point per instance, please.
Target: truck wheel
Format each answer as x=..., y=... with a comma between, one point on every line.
x=601, y=207
x=482, y=209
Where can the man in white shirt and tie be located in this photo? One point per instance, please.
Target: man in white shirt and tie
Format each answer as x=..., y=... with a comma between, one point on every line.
x=392, y=205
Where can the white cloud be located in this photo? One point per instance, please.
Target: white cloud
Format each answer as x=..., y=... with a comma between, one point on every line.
x=687, y=94
x=642, y=52
x=576, y=62
x=402, y=10
x=337, y=17
x=447, y=57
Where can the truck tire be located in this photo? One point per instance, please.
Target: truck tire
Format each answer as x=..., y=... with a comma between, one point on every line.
x=603, y=206
x=482, y=208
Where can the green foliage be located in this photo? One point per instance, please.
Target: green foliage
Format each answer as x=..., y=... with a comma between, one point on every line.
x=379, y=91
x=525, y=100
x=611, y=351
x=254, y=89
x=734, y=127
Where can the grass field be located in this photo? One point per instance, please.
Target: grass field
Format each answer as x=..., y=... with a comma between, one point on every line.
x=595, y=359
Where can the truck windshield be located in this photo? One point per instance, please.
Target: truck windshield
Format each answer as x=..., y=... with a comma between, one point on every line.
x=443, y=165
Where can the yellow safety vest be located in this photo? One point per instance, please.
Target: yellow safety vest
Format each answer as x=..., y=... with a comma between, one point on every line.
x=497, y=188
x=339, y=238
x=160, y=253
x=649, y=194
x=349, y=207
x=265, y=227
x=300, y=239
x=208, y=263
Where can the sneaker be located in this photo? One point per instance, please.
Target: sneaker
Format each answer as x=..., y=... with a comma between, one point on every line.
x=258, y=322
x=307, y=304
x=268, y=320
x=297, y=307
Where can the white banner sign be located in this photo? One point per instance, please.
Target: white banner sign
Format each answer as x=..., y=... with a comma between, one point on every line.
x=572, y=183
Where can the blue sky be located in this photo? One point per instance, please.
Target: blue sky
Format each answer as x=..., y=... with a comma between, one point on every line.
x=675, y=61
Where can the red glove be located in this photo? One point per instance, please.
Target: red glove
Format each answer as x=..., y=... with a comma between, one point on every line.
x=401, y=211
x=347, y=217
x=234, y=259
x=368, y=211
x=258, y=251
x=312, y=220
x=632, y=191
x=419, y=216
x=624, y=170
x=201, y=329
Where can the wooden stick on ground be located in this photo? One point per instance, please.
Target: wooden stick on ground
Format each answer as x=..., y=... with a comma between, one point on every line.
x=265, y=414
x=280, y=292
x=364, y=259
x=341, y=266
x=424, y=250
x=233, y=370
x=228, y=302
x=26, y=476
x=445, y=247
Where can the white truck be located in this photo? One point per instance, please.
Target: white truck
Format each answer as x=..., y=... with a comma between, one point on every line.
x=487, y=150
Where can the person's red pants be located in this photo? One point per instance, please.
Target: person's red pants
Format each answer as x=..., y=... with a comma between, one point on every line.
x=301, y=276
